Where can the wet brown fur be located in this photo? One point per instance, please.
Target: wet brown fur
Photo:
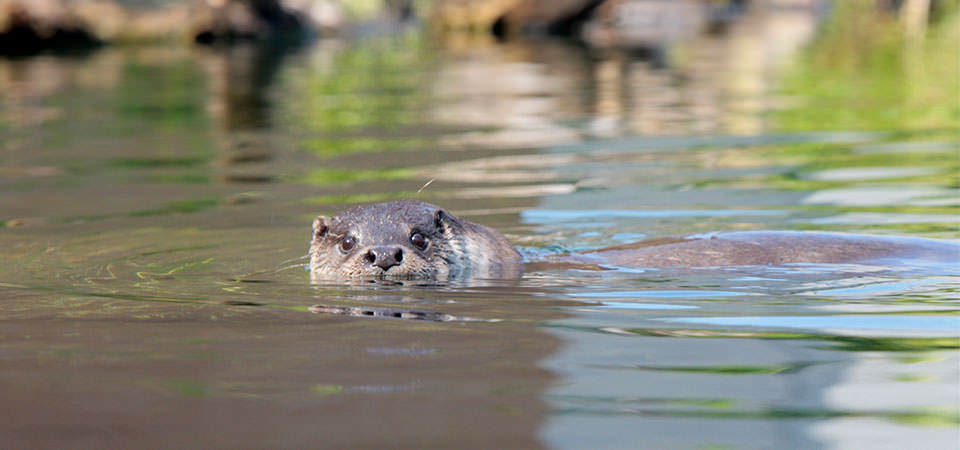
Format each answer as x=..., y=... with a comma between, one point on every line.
x=462, y=249
x=771, y=248
x=456, y=248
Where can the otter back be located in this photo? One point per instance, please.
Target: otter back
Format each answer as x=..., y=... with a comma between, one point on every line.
x=766, y=248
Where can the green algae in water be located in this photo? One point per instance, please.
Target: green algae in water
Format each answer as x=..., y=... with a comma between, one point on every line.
x=843, y=343
x=324, y=390
x=724, y=370
x=185, y=387
x=933, y=418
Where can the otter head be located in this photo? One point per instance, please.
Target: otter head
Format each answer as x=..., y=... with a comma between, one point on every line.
x=407, y=239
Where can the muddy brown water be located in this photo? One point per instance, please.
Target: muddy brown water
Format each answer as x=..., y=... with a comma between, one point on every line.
x=157, y=203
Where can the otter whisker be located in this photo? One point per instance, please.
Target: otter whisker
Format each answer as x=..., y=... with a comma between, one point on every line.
x=301, y=265
x=426, y=184
x=294, y=259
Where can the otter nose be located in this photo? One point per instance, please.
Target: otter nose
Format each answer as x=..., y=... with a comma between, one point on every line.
x=384, y=257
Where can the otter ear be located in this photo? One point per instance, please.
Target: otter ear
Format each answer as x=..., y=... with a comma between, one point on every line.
x=320, y=227
x=439, y=217
x=444, y=220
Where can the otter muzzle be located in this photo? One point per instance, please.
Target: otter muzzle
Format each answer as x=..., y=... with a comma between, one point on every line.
x=384, y=257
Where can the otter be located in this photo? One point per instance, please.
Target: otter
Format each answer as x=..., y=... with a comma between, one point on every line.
x=410, y=239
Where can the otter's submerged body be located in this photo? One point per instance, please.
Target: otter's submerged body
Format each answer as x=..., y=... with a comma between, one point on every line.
x=410, y=239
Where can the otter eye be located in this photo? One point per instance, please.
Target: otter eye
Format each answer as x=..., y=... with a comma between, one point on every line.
x=347, y=244
x=418, y=241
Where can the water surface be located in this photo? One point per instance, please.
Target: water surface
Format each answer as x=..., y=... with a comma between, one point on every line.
x=156, y=205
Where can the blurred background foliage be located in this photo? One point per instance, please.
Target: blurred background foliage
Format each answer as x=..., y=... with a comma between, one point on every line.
x=866, y=70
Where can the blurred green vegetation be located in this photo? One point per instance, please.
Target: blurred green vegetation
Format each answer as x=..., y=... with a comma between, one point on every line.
x=361, y=198
x=809, y=167
x=167, y=94
x=178, y=207
x=383, y=93
x=323, y=177
x=359, y=144
x=809, y=159
x=865, y=72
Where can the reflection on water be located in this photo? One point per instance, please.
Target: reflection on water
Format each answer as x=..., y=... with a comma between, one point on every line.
x=155, y=205
x=733, y=362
